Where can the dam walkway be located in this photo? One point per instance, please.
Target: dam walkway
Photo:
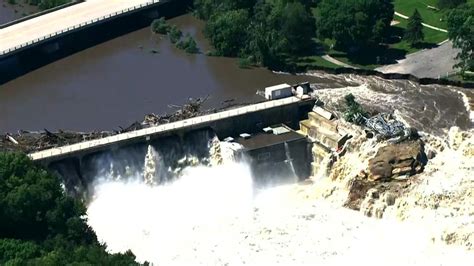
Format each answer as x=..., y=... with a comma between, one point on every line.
x=42, y=28
x=238, y=117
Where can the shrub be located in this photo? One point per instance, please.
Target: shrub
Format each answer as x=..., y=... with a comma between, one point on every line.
x=160, y=26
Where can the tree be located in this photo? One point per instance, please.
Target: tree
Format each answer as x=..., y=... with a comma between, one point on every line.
x=227, y=31
x=297, y=26
x=264, y=31
x=160, y=26
x=414, y=32
x=40, y=224
x=461, y=33
x=354, y=24
x=354, y=111
x=174, y=34
x=188, y=44
x=450, y=4
x=204, y=9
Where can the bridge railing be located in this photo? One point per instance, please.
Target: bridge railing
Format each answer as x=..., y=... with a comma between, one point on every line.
x=80, y=25
x=160, y=129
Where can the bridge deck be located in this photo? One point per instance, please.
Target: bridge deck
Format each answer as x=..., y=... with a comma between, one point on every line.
x=160, y=129
x=46, y=26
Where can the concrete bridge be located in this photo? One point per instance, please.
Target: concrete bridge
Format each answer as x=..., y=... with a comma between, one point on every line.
x=247, y=119
x=42, y=28
x=38, y=41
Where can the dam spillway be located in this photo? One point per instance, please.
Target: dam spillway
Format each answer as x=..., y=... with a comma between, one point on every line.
x=188, y=142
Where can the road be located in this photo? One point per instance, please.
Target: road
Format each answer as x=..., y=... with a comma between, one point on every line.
x=336, y=62
x=57, y=21
x=429, y=63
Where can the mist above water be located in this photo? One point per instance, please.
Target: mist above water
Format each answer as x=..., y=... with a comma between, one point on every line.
x=162, y=223
x=213, y=215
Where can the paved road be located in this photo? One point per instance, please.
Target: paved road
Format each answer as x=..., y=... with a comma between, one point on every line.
x=424, y=24
x=336, y=62
x=54, y=22
x=430, y=63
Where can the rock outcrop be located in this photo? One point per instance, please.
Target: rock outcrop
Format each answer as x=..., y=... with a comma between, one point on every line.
x=396, y=181
x=397, y=161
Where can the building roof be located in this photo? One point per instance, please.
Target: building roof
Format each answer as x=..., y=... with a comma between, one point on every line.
x=261, y=140
x=277, y=87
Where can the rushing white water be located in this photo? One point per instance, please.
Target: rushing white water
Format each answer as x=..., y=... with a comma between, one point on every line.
x=212, y=216
x=160, y=223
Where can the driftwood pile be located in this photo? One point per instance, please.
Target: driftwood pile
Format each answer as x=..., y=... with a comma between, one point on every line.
x=189, y=110
x=27, y=141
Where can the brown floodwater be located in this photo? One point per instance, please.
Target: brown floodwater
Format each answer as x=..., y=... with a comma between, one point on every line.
x=9, y=12
x=116, y=83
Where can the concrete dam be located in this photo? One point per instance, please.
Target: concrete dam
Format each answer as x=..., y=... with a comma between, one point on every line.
x=265, y=134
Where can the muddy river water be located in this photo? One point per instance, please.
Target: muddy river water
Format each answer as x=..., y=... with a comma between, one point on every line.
x=9, y=12
x=118, y=82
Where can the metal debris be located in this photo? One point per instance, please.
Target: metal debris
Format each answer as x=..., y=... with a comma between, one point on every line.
x=385, y=127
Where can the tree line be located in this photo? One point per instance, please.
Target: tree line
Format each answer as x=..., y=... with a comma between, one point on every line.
x=274, y=33
x=40, y=224
x=461, y=31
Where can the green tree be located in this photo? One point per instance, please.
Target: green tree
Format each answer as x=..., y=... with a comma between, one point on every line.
x=268, y=32
x=354, y=24
x=414, y=32
x=160, y=26
x=461, y=32
x=296, y=25
x=227, y=31
x=174, y=34
x=188, y=44
x=449, y=4
x=204, y=9
x=40, y=224
x=354, y=111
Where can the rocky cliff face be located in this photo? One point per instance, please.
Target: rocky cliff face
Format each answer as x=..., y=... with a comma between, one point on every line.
x=397, y=161
x=428, y=181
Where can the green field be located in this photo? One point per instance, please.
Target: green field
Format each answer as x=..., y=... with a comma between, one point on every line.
x=429, y=15
x=432, y=37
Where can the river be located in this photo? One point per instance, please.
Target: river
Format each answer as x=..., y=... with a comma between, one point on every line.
x=219, y=222
x=9, y=12
x=116, y=83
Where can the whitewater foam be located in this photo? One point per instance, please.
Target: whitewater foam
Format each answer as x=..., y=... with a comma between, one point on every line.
x=212, y=216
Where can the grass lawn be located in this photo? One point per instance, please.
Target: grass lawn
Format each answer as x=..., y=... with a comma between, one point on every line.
x=315, y=60
x=430, y=16
x=397, y=48
x=432, y=37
